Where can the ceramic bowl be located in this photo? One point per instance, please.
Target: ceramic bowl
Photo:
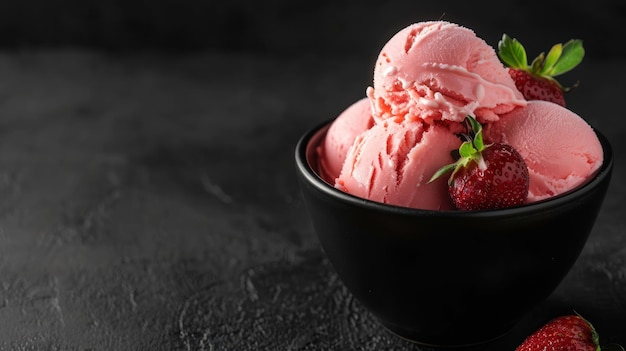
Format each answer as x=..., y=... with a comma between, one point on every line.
x=449, y=278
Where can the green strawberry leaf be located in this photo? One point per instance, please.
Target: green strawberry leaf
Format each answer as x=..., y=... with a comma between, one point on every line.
x=467, y=149
x=443, y=170
x=551, y=59
x=512, y=52
x=477, y=128
x=572, y=55
x=470, y=150
x=537, y=64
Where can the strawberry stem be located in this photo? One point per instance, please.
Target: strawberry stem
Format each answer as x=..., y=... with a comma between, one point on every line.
x=470, y=150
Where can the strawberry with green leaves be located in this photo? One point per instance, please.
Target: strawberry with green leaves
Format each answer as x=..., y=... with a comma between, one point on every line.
x=536, y=81
x=566, y=333
x=485, y=176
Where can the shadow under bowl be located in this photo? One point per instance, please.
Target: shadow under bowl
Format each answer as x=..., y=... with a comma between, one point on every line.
x=448, y=278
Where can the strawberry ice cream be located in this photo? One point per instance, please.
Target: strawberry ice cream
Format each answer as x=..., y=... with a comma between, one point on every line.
x=560, y=149
x=441, y=71
x=392, y=163
x=428, y=78
x=355, y=120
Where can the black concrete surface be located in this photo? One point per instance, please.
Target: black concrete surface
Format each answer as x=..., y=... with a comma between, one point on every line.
x=302, y=27
x=149, y=202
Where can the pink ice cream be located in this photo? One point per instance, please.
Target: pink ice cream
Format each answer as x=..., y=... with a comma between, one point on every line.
x=441, y=71
x=427, y=79
x=356, y=119
x=392, y=163
x=560, y=149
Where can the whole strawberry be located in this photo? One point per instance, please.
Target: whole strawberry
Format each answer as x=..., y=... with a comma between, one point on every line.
x=486, y=176
x=565, y=333
x=536, y=81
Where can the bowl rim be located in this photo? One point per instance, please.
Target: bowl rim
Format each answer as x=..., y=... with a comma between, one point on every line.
x=304, y=168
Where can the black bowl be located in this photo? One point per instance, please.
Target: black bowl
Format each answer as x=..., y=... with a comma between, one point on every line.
x=449, y=278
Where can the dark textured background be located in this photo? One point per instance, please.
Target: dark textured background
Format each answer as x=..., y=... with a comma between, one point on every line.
x=147, y=188
x=299, y=27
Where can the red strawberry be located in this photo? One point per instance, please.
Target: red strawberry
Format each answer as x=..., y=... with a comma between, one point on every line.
x=536, y=82
x=486, y=176
x=565, y=333
x=537, y=88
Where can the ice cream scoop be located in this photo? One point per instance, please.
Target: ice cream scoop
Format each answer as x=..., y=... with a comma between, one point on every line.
x=392, y=163
x=353, y=121
x=440, y=71
x=560, y=148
